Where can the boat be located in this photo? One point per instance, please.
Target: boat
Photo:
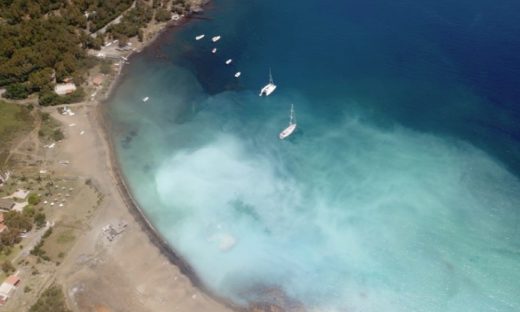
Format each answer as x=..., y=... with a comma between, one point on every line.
x=146, y=99
x=270, y=87
x=215, y=39
x=238, y=74
x=229, y=61
x=214, y=50
x=292, y=125
x=200, y=37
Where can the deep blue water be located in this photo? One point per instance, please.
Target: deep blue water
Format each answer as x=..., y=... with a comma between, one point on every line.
x=398, y=192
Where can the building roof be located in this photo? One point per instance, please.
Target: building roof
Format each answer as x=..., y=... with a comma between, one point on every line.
x=65, y=88
x=6, y=289
x=98, y=79
x=13, y=280
x=6, y=204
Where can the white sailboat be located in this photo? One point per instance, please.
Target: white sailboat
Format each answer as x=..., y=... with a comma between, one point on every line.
x=270, y=87
x=292, y=125
x=146, y=99
x=229, y=61
x=214, y=50
x=215, y=39
x=199, y=37
x=238, y=74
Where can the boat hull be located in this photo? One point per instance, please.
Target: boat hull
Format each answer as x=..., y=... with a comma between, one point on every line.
x=287, y=132
x=268, y=89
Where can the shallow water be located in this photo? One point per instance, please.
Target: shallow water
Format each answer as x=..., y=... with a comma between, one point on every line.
x=398, y=192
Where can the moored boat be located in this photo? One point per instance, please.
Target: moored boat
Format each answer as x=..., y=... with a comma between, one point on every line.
x=200, y=37
x=292, y=125
x=270, y=87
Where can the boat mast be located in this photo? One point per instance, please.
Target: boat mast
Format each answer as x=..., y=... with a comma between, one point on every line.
x=291, y=120
x=270, y=76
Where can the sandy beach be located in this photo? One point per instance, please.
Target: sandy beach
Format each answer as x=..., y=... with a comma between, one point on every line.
x=136, y=271
x=132, y=272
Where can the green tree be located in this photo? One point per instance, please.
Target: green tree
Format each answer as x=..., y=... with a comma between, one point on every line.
x=16, y=220
x=10, y=237
x=39, y=219
x=162, y=15
x=41, y=79
x=16, y=91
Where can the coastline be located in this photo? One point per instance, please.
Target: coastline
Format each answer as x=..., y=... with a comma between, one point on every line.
x=97, y=275
x=139, y=215
x=283, y=303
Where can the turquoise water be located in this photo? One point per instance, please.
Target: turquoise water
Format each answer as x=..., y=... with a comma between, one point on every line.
x=398, y=192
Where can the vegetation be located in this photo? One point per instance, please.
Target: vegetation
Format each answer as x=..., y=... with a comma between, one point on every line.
x=18, y=223
x=14, y=119
x=44, y=42
x=162, y=15
x=33, y=199
x=132, y=21
x=7, y=267
x=51, y=300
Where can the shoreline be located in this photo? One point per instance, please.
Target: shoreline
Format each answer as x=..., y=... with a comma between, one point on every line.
x=146, y=226
x=154, y=236
x=283, y=303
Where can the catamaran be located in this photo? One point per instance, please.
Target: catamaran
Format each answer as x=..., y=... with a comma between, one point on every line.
x=229, y=61
x=292, y=125
x=215, y=39
x=199, y=37
x=270, y=87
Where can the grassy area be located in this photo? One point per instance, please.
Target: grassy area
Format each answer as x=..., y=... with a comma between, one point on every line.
x=66, y=236
x=14, y=121
x=49, y=129
x=51, y=300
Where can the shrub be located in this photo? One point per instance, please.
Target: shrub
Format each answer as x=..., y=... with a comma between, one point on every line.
x=8, y=267
x=34, y=199
x=52, y=299
x=57, y=135
x=16, y=91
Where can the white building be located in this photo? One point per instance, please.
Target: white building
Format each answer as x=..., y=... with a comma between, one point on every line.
x=7, y=287
x=65, y=88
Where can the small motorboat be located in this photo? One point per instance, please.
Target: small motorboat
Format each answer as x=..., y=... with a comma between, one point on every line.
x=238, y=74
x=229, y=61
x=215, y=39
x=200, y=37
x=146, y=99
x=214, y=50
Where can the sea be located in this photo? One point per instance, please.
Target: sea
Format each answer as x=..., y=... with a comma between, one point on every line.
x=399, y=190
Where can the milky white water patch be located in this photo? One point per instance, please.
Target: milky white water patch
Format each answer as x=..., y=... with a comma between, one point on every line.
x=351, y=217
